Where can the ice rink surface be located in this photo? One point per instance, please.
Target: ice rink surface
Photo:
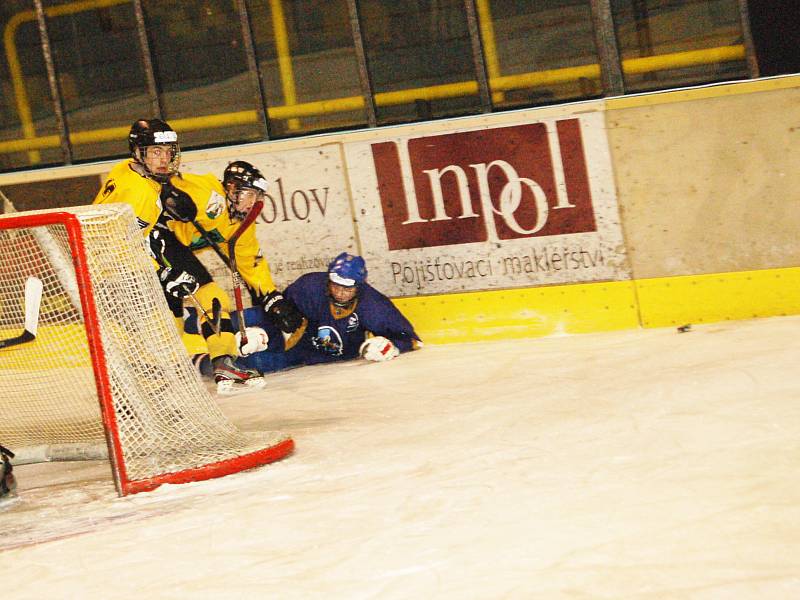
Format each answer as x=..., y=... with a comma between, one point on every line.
x=632, y=465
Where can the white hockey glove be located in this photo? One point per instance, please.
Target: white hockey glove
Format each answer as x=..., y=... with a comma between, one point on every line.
x=378, y=349
x=257, y=341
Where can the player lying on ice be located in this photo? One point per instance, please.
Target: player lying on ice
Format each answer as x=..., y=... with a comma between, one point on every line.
x=347, y=318
x=181, y=214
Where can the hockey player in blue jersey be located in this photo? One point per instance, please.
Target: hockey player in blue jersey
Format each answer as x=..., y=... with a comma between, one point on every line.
x=347, y=319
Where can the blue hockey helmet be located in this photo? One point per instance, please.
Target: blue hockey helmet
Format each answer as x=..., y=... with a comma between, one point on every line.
x=348, y=270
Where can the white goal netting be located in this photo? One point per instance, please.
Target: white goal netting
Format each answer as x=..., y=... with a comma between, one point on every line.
x=164, y=422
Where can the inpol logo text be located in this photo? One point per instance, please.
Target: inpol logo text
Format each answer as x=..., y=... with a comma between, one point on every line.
x=488, y=185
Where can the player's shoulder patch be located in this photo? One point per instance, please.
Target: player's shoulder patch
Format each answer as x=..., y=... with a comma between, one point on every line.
x=109, y=187
x=215, y=205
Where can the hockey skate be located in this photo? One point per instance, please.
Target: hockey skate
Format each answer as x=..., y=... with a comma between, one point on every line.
x=232, y=378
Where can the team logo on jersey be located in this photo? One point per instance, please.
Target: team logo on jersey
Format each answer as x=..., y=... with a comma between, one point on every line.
x=328, y=341
x=215, y=206
x=353, y=323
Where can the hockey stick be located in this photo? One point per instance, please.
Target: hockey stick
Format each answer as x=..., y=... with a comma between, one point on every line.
x=290, y=340
x=216, y=314
x=230, y=260
x=238, y=282
x=213, y=322
x=207, y=236
x=33, y=300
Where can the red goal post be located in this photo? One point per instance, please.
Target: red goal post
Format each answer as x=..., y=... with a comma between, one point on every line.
x=107, y=366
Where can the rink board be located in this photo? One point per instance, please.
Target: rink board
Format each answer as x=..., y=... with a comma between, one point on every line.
x=519, y=313
x=595, y=307
x=717, y=297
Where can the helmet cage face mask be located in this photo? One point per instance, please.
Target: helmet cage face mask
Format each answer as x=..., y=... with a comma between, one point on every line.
x=240, y=199
x=144, y=135
x=244, y=185
x=145, y=155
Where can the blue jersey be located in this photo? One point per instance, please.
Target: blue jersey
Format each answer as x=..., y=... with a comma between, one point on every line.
x=333, y=333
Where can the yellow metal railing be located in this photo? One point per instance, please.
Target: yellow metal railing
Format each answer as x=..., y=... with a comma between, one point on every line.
x=15, y=69
x=292, y=110
x=486, y=24
x=23, y=102
x=284, y=57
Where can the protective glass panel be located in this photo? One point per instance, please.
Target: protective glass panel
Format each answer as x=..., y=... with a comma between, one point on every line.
x=420, y=59
x=539, y=52
x=670, y=43
x=28, y=131
x=201, y=67
x=99, y=64
x=308, y=65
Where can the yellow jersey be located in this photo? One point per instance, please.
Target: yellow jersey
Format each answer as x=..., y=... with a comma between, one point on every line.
x=127, y=183
x=212, y=215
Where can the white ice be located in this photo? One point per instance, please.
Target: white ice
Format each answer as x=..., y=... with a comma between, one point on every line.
x=631, y=465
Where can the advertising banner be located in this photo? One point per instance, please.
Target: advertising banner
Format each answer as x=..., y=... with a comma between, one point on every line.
x=474, y=209
x=307, y=219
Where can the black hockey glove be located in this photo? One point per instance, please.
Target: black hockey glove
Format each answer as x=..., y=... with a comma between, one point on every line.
x=177, y=284
x=283, y=313
x=177, y=203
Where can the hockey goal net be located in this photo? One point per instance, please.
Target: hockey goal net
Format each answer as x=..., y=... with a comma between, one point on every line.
x=106, y=367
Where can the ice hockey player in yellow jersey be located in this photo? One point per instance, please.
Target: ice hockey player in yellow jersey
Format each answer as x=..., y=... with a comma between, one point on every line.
x=162, y=198
x=242, y=185
x=219, y=219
